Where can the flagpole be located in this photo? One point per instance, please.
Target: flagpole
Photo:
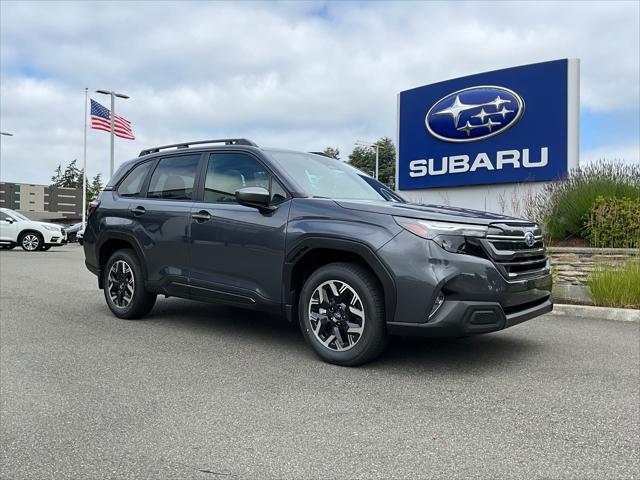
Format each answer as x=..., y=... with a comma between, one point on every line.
x=84, y=161
x=113, y=114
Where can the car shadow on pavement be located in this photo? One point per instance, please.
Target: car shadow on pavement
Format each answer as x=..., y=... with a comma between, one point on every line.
x=481, y=352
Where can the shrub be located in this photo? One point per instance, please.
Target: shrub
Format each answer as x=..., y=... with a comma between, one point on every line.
x=566, y=204
x=616, y=287
x=615, y=222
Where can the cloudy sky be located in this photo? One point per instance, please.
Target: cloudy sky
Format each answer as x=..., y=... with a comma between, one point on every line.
x=297, y=75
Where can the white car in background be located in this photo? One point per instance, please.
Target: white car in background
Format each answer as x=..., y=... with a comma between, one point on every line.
x=80, y=236
x=16, y=229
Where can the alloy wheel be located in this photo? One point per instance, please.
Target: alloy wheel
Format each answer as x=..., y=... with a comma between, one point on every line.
x=30, y=242
x=121, y=284
x=337, y=315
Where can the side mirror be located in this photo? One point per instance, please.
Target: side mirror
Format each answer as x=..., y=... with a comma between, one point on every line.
x=256, y=197
x=8, y=220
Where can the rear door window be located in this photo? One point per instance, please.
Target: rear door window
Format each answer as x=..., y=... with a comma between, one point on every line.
x=174, y=178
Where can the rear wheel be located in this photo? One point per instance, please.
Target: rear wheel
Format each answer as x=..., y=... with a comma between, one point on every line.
x=30, y=241
x=124, y=290
x=341, y=311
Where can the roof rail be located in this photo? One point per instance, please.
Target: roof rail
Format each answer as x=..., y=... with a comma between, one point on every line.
x=226, y=141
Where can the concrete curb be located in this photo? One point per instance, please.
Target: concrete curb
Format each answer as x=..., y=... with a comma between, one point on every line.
x=597, y=313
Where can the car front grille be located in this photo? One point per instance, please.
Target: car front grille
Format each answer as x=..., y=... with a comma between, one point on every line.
x=516, y=259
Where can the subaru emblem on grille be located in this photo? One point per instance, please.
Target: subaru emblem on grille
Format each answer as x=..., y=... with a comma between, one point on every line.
x=529, y=239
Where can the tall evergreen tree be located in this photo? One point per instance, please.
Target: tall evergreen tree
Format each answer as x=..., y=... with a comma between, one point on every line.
x=94, y=189
x=79, y=179
x=56, y=179
x=70, y=175
x=364, y=158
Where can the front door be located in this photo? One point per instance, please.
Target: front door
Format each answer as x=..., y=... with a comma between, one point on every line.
x=237, y=251
x=8, y=228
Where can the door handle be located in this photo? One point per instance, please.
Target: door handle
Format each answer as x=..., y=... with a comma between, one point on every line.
x=201, y=216
x=138, y=210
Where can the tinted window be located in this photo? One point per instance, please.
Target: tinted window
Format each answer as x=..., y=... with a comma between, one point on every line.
x=132, y=184
x=228, y=172
x=174, y=177
x=278, y=195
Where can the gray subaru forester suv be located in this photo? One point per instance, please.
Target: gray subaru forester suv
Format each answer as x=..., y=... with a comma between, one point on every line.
x=313, y=239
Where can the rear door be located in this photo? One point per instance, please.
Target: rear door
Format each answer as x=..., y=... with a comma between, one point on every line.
x=162, y=216
x=237, y=251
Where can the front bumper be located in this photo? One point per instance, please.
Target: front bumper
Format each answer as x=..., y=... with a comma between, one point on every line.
x=478, y=298
x=55, y=239
x=461, y=318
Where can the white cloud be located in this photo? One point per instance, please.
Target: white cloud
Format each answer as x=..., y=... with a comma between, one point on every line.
x=297, y=75
x=629, y=153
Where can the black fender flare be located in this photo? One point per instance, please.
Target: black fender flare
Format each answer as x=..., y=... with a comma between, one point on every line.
x=129, y=238
x=308, y=244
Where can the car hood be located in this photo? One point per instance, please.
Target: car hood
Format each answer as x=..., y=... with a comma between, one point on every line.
x=429, y=212
x=49, y=224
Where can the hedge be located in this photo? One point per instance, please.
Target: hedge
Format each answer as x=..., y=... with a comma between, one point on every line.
x=614, y=222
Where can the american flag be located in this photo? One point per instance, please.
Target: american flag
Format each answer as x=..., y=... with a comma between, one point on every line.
x=101, y=118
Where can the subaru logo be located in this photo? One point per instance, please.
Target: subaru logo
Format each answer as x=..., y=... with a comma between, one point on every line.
x=529, y=239
x=474, y=113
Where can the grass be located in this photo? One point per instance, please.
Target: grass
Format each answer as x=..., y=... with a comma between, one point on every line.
x=616, y=287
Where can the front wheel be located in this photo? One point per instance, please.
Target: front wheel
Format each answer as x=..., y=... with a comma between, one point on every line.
x=124, y=290
x=31, y=241
x=341, y=311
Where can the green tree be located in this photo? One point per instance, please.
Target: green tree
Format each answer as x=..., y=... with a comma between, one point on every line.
x=94, y=188
x=78, y=183
x=70, y=176
x=332, y=152
x=364, y=158
x=56, y=179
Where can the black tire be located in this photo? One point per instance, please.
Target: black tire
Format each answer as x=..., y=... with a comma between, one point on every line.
x=141, y=301
x=31, y=241
x=373, y=339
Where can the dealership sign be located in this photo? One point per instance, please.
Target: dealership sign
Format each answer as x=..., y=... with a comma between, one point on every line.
x=508, y=126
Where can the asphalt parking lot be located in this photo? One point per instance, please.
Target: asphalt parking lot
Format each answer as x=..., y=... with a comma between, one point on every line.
x=201, y=391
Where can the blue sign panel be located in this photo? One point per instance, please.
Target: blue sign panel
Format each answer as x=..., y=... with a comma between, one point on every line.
x=506, y=126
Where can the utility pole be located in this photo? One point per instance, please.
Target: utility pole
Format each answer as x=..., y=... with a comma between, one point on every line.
x=360, y=143
x=113, y=96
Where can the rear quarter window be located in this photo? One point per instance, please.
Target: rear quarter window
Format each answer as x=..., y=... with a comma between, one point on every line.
x=131, y=186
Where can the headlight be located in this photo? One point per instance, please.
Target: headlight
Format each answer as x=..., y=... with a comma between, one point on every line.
x=51, y=228
x=450, y=236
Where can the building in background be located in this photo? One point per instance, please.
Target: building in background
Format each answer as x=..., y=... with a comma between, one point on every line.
x=42, y=202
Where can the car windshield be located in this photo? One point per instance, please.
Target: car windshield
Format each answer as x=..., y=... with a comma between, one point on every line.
x=321, y=176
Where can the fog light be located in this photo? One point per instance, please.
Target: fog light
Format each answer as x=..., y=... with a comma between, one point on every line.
x=437, y=304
